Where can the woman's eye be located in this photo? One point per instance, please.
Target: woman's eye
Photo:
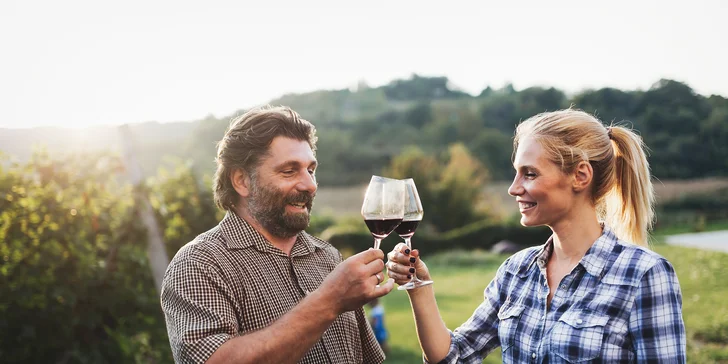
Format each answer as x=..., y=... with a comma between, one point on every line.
x=530, y=174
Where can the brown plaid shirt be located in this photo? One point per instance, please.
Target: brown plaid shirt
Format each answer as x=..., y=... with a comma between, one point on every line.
x=231, y=281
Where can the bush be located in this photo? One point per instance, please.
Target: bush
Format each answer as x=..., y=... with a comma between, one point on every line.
x=479, y=235
x=75, y=285
x=694, y=209
x=75, y=281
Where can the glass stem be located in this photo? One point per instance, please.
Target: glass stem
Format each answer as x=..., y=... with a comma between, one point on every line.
x=408, y=241
x=377, y=242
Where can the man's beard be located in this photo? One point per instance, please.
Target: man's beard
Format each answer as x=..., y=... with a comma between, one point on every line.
x=267, y=205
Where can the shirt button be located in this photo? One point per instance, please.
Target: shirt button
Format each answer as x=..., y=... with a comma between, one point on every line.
x=563, y=286
x=533, y=355
x=579, y=321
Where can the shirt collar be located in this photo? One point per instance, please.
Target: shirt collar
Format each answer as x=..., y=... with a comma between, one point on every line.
x=594, y=261
x=239, y=234
x=596, y=258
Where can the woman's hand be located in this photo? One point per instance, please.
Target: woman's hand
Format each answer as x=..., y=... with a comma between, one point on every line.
x=403, y=263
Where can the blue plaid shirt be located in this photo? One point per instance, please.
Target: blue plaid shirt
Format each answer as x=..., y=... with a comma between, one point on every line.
x=621, y=303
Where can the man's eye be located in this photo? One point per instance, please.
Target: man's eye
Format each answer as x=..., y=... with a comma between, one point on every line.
x=311, y=172
x=530, y=175
x=288, y=171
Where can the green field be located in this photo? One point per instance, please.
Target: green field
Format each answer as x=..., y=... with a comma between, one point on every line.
x=460, y=278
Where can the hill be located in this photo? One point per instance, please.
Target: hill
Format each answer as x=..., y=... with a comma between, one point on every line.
x=361, y=129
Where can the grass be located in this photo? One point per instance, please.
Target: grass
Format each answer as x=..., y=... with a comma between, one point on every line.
x=461, y=277
x=703, y=279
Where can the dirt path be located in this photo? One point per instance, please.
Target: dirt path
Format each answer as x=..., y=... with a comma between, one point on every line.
x=713, y=240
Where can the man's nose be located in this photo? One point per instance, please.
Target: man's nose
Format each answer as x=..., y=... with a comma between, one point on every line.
x=308, y=183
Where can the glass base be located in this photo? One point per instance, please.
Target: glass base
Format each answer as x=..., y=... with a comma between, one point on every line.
x=416, y=283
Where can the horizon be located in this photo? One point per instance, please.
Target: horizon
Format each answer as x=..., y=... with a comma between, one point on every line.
x=454, y=87
x=80, y=63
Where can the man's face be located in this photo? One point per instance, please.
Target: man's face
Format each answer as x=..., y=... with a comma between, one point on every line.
x=282, y=192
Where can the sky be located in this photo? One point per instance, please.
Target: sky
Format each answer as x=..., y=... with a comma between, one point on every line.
x=79, y=63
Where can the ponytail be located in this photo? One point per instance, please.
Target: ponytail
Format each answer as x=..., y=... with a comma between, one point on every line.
x=629, y=205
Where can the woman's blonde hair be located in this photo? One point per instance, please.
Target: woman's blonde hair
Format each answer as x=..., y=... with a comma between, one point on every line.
x=622, y=188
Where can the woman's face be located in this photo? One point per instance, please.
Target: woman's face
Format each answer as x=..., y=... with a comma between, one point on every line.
x=544, y=193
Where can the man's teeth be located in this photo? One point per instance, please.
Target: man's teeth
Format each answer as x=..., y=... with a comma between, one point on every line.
x=300, y=205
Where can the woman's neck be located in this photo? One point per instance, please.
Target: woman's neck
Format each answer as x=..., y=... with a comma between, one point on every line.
x=574, y=235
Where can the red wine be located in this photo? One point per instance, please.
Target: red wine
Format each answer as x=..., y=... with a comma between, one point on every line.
x=382, y=227
x=407, y=228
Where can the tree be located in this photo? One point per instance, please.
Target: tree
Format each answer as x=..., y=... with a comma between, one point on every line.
x=460, y=192
x=452, y=196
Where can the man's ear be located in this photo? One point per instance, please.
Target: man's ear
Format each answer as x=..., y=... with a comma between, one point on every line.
x=241, y=182
x=583, y=175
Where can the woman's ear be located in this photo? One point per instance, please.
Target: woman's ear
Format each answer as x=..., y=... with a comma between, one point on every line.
x=240, y=182
x=583, y=175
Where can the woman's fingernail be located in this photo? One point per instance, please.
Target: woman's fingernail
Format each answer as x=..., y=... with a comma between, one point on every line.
x=406, y=251
x=412, y=270
x=412, y=260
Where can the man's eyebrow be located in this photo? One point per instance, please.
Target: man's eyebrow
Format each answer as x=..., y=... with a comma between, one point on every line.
x=295, y=164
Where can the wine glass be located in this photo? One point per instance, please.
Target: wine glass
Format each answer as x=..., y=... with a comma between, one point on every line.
x=413, y=213
x=383, y=207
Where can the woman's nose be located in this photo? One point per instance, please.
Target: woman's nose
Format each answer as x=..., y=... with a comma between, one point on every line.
x=515, y=189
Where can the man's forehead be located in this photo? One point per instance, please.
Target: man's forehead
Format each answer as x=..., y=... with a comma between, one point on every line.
x=288, y=150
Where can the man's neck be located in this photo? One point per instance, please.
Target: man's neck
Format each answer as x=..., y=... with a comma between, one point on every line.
x=284, y=244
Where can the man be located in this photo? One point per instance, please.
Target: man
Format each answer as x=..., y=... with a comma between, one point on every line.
x=257, y=288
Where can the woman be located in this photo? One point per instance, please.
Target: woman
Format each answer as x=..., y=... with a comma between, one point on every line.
x=594, y=292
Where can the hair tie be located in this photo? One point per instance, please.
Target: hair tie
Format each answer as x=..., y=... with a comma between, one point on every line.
x=609, y=132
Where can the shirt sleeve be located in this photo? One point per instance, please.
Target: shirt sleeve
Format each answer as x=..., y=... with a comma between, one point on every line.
x=656, y=322
x=197, y=309
x=478, y=336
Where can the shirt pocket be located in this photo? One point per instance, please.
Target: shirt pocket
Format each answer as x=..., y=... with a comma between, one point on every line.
x=509, y=317
x=578, y=335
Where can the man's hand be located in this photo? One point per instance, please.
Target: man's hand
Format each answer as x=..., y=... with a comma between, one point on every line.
x=356, y=281
x=348, y=287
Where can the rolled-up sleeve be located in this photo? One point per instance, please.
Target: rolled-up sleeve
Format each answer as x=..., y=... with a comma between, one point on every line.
x=199, y=314
x=478, y=336
x=656, y=322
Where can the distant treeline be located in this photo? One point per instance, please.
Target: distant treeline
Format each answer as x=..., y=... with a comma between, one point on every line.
x=361, y=130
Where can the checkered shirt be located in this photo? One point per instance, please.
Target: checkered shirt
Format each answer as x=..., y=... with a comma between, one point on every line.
x=231, y=281
x=620, y=304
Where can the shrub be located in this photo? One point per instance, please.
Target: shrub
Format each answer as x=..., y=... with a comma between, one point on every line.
x=479, y=235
